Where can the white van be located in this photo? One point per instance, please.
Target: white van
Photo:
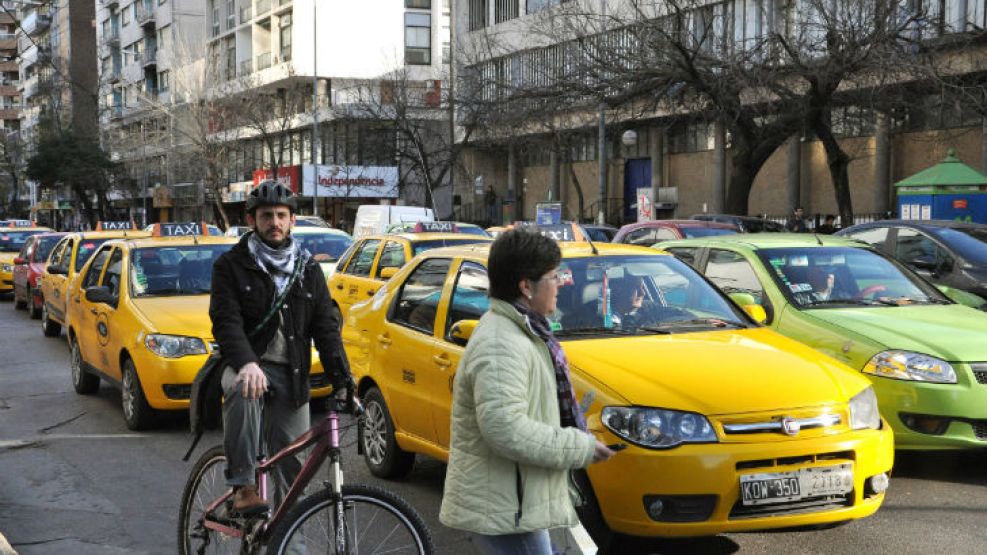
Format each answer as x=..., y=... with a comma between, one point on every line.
x=376, y=218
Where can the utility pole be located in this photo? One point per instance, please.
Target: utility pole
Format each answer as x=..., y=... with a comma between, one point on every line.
x=601, y=213
x=316, y=150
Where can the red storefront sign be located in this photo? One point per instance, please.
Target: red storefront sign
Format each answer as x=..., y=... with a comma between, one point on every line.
x=960, y=204
x=289, y=175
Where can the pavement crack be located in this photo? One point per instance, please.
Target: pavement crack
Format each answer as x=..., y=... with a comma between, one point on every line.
x=39, y=542
x=47, y=429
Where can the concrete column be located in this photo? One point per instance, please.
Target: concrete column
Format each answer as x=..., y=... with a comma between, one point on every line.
x=882, y=163
x=983, y=145
x=554, y=187
x=794, y=188
x=656, y=144
x=718, y=198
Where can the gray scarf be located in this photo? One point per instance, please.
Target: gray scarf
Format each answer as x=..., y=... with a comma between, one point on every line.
x=279, y=263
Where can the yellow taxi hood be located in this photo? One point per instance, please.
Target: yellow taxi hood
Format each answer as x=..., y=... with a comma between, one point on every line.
x=8, y=257
x=177, y=315
x=716, y=372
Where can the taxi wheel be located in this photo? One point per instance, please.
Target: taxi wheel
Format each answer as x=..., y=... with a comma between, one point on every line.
x=591, y=516
x=136, y=412
x=50, y=329
x=32, y=308
x=83, y=382
x=381, y=452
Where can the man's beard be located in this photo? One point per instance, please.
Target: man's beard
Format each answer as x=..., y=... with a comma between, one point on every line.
x=274, y=244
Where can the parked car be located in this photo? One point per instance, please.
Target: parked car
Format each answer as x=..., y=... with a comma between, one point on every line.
x=28, y=268
x=325, y=244
x=746, y=224
x=924, y=353
x=12, y=239
x=600, y=233
x=951, y=254
x=649, y=233
x=437, y=227
x=310, y=221
x=376, y=218
x=730, y=426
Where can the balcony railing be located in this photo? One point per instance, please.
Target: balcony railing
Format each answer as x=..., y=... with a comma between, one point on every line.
x=112, y=37
x=109, y=3
x=263, y=61
x=145, y=14
x=149, y=57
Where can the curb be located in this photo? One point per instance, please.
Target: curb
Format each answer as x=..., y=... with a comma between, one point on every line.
x=5, y=548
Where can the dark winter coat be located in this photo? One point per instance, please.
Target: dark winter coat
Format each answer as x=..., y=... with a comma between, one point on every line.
x=242, y=293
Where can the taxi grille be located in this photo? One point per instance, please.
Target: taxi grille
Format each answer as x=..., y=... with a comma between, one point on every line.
x=979, y=428
x=799, y=460
x=178, y=392
x=980, y=372
x=812, y=505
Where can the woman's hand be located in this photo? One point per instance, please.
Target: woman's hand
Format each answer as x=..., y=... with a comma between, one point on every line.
x=601, y=452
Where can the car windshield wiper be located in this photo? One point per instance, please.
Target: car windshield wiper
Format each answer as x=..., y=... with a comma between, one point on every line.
x=598, y=330
x=851, y=302
x=666, y=327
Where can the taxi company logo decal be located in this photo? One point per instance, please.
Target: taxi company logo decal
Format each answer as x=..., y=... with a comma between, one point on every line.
x=790, y=426
x=103, y=330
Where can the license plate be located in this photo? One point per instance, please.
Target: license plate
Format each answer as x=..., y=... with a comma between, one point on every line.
x=782, y=487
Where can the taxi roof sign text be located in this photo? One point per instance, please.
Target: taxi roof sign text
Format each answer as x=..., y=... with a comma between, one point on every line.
x=115, y=226
x=436, y=227
x=179, y=229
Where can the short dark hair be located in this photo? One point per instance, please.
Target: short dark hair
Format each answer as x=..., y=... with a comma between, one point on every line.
x=519, y=254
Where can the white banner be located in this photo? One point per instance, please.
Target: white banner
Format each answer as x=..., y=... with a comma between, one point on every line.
x=350, y=181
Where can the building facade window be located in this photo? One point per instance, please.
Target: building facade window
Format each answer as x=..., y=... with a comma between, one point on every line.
x=505, y=10
x=214, y=17
x=126, y=16
x=417, y=39
x=285, y=36
x=422, y=4
x=230, y=14
x=692, y=136
x=477, y=14
x=532, y=6
x=164, y=81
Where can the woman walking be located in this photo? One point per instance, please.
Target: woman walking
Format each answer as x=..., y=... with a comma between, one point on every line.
x=517, y=429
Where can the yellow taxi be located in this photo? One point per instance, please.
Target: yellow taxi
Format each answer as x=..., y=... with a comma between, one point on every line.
x=729, y=426
x=140, y=319
x=373, y=259
x=64, y=264
x=13, y=234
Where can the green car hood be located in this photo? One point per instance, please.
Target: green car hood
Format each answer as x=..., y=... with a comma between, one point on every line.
x=952, y=332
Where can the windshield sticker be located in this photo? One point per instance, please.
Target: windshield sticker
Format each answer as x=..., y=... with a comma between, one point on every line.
x=800, y=287
x=565, y=277
x=799, y=260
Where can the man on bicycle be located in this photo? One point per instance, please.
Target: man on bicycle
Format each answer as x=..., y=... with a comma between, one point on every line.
x=269, y=303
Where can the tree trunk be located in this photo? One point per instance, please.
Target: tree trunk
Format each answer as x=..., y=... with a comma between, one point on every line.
x=747, y=158
x=838, y=163
x=580, y=200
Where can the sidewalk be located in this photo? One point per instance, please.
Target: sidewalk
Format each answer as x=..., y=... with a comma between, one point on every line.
x=5, y=548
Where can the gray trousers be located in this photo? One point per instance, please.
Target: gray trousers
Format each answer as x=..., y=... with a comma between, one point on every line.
x=282, y=423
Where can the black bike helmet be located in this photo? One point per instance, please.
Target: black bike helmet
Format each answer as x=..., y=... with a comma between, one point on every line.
x=270, y=193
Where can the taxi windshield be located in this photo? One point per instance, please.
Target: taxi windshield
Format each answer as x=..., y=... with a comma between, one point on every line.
x=421, y=246
x=635, y=294
x=173, y=270
x=832, y=277
x=690, y=232
x=329, y=244
x=12, y=241
x=86, y=248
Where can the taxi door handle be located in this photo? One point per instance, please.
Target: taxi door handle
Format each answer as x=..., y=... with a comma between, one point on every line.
x=370, y=292
x=339, y=286
x=384, y=339
x=94, y=311
x=441, y=360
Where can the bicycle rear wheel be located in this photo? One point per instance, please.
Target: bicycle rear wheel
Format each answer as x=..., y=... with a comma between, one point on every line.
x=206, y=483
x=377, y=521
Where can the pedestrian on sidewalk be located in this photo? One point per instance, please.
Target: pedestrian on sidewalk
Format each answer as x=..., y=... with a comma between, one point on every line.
x=796, y=223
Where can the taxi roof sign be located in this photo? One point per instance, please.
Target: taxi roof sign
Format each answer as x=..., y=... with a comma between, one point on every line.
x=436, y=227
x=17, y=223
x=116, y=226
x=179, y=229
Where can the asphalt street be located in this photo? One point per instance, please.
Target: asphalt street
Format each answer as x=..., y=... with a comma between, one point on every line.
x=74, y=480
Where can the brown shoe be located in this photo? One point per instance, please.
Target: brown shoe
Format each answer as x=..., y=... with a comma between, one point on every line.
x=247, y=501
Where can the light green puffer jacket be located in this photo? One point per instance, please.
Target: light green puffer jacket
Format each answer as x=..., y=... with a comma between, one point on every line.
x=505, y=419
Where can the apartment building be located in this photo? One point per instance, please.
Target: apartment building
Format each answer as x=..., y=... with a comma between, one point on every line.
x=142, y=44
x=336, y=47
x=9, y=76
x=683, y=157
x=54, y=72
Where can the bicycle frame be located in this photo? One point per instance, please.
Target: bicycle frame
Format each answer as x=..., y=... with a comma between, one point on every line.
x=325, y=437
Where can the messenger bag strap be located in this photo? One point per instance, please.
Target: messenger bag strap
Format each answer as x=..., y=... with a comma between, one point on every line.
x=279, y=300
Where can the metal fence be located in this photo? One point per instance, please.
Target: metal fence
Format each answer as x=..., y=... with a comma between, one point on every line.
x=815, y=220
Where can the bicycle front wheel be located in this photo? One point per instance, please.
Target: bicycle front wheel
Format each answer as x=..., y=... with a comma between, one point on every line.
x=376, y=521
x=205, y=484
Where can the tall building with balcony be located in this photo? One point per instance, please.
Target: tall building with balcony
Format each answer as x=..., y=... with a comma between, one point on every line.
x=335, y=48
x=141, y=45
x=9, y=76
x=54, y=73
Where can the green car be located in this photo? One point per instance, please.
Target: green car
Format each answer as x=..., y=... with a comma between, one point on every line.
x=926, y=354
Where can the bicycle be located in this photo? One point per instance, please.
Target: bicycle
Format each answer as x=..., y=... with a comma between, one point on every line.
x=340, y=518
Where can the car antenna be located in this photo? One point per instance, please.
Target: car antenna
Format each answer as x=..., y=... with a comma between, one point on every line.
x=590, y=241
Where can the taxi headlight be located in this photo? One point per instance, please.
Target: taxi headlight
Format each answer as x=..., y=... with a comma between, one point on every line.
x=657, y=428
x=863, y=411
x=903, y=365
x=174, y=346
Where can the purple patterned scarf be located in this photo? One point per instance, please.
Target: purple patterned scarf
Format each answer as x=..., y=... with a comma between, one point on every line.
x=569, y=412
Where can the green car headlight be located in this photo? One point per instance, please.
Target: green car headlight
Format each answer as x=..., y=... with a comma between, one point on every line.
x=863, y=411
x=174, y=346
x=904, y=365
x=657, y=428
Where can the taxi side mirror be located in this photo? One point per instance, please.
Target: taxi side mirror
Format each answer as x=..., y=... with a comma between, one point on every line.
x=742, y=299
x=56, y=270
x=461, y=331
x=388, y=273
x=100, y=294
x=756, y=312
x=20, y=260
